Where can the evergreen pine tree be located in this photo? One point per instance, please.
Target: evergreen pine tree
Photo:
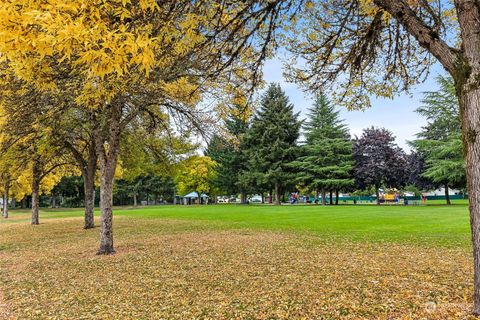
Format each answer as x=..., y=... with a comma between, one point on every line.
x=440, y=142
x=326, y=164
x=444, y=162
x=271, y=143
x=441, y=110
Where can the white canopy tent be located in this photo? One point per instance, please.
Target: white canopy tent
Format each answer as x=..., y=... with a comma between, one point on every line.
x=192, y=197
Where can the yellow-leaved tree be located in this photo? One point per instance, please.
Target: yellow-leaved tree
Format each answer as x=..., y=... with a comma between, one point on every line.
x=149, y=150
x=195, y=174
x=127, y=58
x=31, y=153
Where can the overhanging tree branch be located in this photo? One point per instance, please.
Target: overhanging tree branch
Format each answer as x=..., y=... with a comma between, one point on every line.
x=426, y=36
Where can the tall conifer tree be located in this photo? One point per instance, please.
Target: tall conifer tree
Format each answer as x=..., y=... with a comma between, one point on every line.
x=326, y=164
x=271, y=142
x=440, y=142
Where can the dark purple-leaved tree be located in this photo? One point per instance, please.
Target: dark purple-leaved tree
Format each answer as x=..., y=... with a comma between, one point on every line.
x=378, y=160
x=416, y=167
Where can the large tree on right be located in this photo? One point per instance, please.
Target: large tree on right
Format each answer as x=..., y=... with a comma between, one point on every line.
x=381, y=47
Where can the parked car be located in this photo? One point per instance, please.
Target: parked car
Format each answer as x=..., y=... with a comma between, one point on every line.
x=255, y=199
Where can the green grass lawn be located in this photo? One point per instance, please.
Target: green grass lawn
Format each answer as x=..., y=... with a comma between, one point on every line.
x=431, y=225
x=241, y=262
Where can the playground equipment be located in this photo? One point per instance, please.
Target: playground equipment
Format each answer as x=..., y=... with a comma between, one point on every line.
x=390, y=196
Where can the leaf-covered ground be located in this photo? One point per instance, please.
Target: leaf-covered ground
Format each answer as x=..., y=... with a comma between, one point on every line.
x=168, y=268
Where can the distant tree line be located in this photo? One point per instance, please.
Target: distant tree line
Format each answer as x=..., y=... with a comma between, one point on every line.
x=273, y=152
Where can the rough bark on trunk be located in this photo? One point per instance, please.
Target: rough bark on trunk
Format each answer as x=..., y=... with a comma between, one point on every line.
x=87, y=164
x=336, y=197
x=107, y=156
x=89, y=193
x=106, y=219
x=36, y=176
x=470, y=113
x=89, y=185
x=5, y=200
x=324, y=197
x=466, y=76
x=464, y=66
x=447, y=195
x=277, y=194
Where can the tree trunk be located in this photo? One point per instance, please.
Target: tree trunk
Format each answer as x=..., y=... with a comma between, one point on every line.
x=331, y=197
x=89, y=185
x=89, y=194
x=316, y=196
x=377, y=194
x=447, y=195
x=106, y=204
x=270, y=198
x=464, y=66
x=36, y=176
x=108, y=145
x=14, y=202
x=135, y=200
x=324, y=197
x=243, y=197
x=470, y=113
x=277, y=194
x=88, y=166
x=336, y=197
x=54, y=201
x=5, y=200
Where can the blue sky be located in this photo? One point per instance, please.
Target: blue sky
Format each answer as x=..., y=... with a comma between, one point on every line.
x=397, y=115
